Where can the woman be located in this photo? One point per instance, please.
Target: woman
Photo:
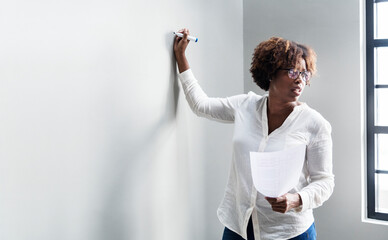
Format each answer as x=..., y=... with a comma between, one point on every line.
x=272, y=122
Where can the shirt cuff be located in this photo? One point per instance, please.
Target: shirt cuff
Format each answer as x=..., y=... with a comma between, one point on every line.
x=305, y=202
x=186, y=76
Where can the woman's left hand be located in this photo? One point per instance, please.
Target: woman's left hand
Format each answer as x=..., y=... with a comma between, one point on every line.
x=285, y=202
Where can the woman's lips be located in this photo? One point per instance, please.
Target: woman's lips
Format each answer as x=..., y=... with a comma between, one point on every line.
x=297, y=90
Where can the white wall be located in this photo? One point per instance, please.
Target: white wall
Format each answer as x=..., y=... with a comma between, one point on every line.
x=96, y=138
x=332, y=28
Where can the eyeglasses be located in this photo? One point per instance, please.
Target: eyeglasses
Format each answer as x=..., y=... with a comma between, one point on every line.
x=294, y=74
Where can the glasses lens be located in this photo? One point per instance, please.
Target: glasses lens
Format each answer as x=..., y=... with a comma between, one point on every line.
x=293, y=74
x=306, y=75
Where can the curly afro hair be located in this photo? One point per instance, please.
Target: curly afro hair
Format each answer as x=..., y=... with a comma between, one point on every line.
x=277, y=53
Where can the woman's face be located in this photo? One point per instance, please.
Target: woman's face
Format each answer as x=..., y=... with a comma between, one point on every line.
x=285, y=88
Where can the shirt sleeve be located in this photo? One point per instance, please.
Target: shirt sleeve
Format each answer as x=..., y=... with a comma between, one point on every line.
x=218, y=109
x=320, y=167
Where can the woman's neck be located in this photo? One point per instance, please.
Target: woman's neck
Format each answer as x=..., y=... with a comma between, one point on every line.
x=276, y=105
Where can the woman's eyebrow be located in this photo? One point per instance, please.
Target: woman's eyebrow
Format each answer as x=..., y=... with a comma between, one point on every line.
x=303, y=70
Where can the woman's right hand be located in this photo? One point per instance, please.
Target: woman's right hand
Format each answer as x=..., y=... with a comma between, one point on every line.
x=180, y=44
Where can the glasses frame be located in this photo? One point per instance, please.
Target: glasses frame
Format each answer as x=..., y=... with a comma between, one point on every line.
x=303, y=74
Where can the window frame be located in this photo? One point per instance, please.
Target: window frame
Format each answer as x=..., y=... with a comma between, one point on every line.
x=371, y=128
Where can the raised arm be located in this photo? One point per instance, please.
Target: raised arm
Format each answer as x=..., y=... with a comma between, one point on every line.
x=213, y=108
x=219, y=109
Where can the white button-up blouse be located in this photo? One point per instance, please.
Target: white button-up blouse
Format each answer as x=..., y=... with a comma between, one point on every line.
x=241, y=200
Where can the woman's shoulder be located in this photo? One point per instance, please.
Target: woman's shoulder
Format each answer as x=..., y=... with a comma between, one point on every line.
x=316, y=119
x=247, y=97
x=313, y=112
x=254, y=96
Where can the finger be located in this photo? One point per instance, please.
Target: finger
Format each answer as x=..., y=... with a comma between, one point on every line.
x=281, y=210
x=280, y=199
x=185, y=35
x=179, y=40
x=279, y=206
x=270, y=200
x=276, y=209
x=176, y=42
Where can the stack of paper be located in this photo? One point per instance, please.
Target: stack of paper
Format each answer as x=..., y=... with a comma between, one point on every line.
x=276, y=173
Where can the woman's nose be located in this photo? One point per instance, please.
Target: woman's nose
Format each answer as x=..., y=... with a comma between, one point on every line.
x=299, y=79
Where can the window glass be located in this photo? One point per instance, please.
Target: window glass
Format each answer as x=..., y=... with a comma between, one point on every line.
x=381, y=143
x=381, y=106
x=381, y=65
x=382, y=193
x=381, y=20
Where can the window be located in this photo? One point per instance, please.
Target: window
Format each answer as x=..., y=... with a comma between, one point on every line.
x=377, y=108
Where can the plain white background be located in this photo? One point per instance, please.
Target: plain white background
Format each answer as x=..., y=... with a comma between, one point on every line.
x=96, y=139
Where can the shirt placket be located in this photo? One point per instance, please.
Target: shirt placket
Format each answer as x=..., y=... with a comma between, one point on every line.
x=262, y=145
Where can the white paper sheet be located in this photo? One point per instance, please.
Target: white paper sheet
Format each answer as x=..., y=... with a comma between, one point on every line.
x=276, y=173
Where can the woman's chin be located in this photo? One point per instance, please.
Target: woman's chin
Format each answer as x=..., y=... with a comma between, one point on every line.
x=294, y=97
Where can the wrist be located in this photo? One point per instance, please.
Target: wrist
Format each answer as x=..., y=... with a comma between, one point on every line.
x=183, y=64
x=180, y=56
x=299, y=200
